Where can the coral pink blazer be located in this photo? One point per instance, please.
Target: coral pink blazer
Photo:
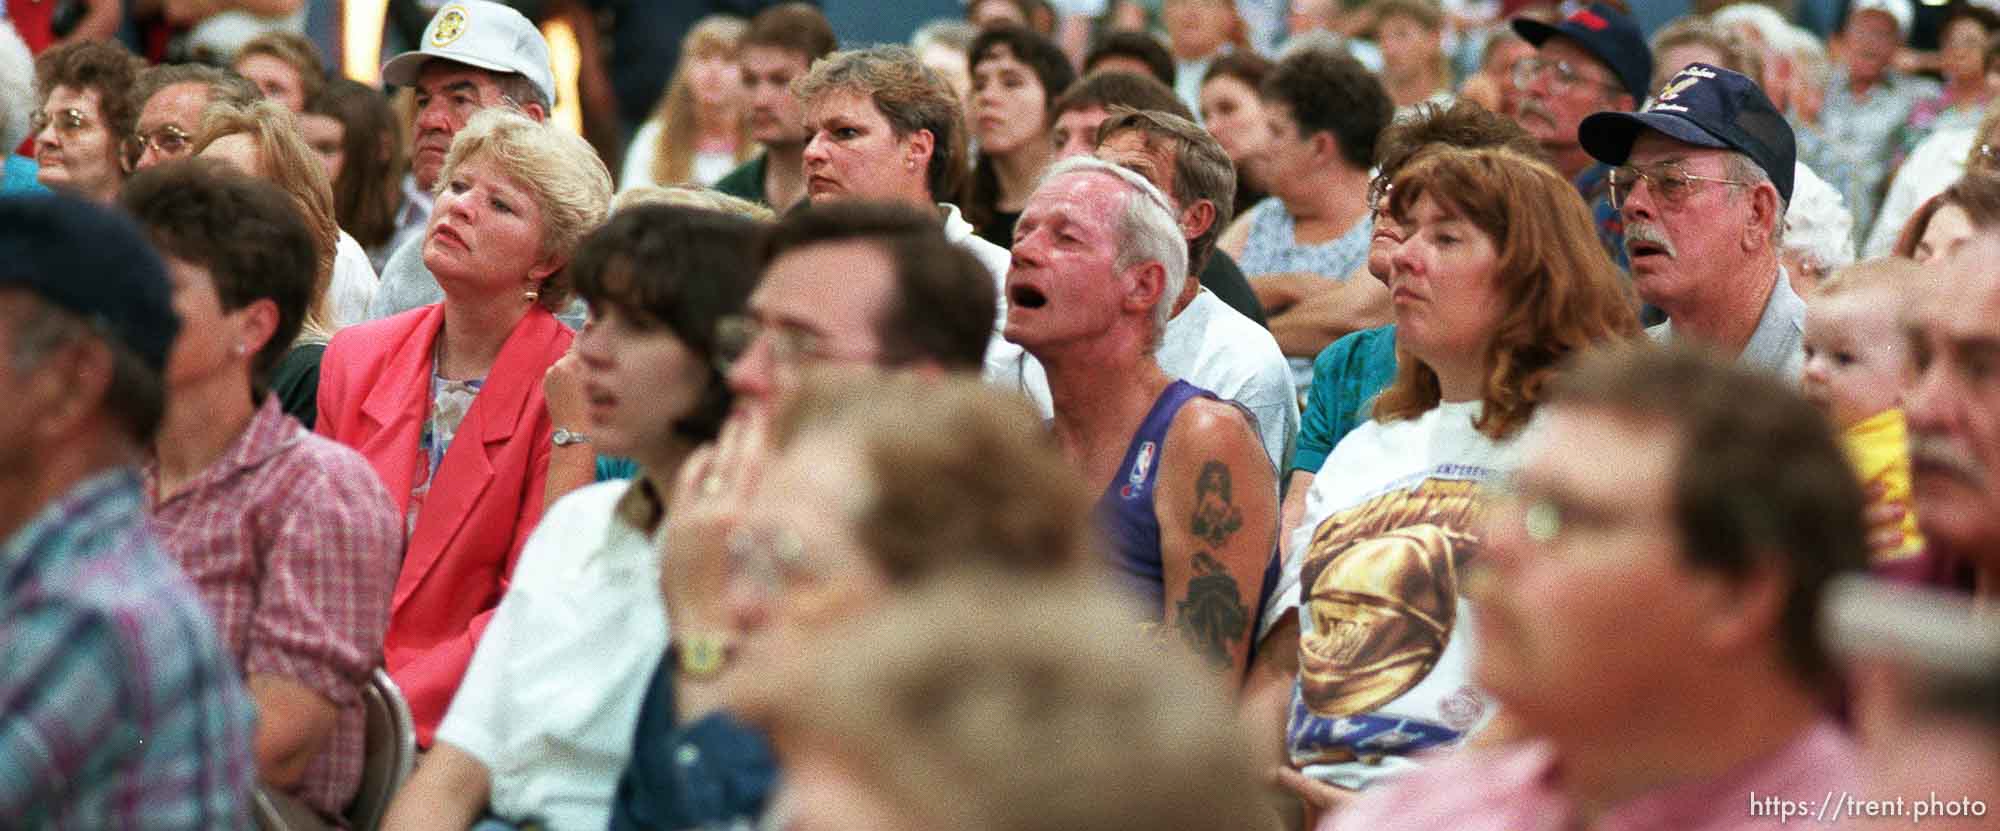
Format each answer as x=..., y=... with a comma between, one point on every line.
x=374, y=396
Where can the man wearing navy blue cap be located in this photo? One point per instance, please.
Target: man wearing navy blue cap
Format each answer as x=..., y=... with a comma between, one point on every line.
x=118, y=707
x=1593, y=60
x=1703, y=176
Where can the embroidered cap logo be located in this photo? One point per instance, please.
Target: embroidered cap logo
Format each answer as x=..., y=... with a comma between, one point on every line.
x=450, y=26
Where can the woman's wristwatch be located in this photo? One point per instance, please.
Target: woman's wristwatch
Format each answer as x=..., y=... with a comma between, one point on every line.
x=565, y=437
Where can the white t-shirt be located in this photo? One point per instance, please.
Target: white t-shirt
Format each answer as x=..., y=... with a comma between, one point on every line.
x=709, y=166
x=552, y=696
x=1936, y=163
x=997, y=260
x=1209, y=345
x=353, y=284
x=1385, y=634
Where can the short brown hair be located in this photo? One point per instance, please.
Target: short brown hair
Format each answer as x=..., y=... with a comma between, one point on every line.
x=1202, y=169
x=101, y=65
x=294, y=50
x=958, y=473
x=910, y=95
x=795, y=27
x=1104, y=90
x=989, y=702
x=1760, y=480
x=1559, y=290
x=943, y=302
x=1977, y=194
x=223, y=85
x=1464, y=125
x=247, y=233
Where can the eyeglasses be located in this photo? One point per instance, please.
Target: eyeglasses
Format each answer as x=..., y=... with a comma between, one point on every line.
x=67, y=122
x=735, y=335
x=1988, y=157
x=1565, y=76
x=1669, y=182
x=166, y=140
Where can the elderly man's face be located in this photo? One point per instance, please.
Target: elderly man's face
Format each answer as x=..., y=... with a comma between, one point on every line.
x=1872, y=39
x=1554, y=100
x=1682, y=245
x=448, y=95
x=1064, y=284
x=168, y=123
x=1600, y=540
x=1953, y=402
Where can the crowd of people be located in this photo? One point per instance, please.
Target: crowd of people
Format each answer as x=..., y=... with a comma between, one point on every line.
x=1451, y=418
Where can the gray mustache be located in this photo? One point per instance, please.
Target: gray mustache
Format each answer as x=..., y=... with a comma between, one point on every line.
x=1928, y=451
x=1650, y=234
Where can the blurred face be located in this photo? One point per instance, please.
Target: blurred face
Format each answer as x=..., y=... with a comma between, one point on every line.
x=75, y=148
x=1308, y=15
x=1499, y=68
x=1566, y=86
x=448, y=94
x=1288, y=156
x=328, y=138
x=949, y=64
x=1197, y=28
x=1687, y=241
x=798, y=317
x=1962, y=52
x=798, y=567
x=1234, y=114
x=1602, y=539
x=717, y=79
x=279, y=81
x=1407, y=47
x=776, y=116
x=206, y=347
x=1382, y=244
x=1953, y=402
x=854, y=152
x=1872, y=40
x=1668, y=62
x=1064, y=285
x=167, y=124
x=1122, y=63
x=485, y=235
x=987, y=14
x=1443, y=284
x=1075, y=133
x=639, y=378
x=1855, y=362
x=1949, y=228
x=239, y=150
x=1009, y=105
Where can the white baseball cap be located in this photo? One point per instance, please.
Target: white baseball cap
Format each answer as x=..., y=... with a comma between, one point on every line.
x=1899, y=10
x=481, y=34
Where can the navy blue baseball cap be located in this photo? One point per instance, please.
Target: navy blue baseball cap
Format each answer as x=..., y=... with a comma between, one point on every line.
x=91, y=262
x=1706, y=106
x=1606, y=33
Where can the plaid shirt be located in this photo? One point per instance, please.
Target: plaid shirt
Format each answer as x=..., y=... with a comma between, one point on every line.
x=294, y=544
x=118, y=708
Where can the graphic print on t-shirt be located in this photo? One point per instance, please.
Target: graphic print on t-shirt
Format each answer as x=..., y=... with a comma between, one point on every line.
x=1380, y=610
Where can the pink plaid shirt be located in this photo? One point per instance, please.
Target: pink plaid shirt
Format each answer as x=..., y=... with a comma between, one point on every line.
x=294, y=545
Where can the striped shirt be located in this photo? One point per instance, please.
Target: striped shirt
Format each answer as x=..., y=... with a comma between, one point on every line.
x=118, y=707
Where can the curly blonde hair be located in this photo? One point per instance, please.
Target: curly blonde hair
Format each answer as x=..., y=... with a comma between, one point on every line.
x=560, y=171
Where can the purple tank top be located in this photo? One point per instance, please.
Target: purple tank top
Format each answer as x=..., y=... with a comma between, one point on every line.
x=1125, y=510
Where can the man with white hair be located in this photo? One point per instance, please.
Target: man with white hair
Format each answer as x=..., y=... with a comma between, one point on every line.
x=1190, y=504
x=1702, y=178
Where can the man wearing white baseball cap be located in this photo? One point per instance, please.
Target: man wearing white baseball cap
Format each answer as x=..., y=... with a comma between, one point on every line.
x=1866, y=100
x=475, y=54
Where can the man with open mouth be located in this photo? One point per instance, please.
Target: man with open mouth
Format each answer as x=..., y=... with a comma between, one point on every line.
x=1702, y=176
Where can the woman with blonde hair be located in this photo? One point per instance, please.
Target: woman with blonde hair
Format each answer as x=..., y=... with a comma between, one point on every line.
x=445, y=400
x=1497, y=280
x=698, y=134
x=263, y=140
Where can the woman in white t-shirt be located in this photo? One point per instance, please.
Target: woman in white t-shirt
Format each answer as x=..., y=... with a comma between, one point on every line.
x=542, y=723
x=698, y=134
x=1497, y=279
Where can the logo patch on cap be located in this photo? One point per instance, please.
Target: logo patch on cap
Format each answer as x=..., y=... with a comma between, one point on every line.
x=450, y=25
x=1589, y=20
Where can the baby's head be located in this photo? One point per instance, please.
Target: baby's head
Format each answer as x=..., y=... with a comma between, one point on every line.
x=1855, y=357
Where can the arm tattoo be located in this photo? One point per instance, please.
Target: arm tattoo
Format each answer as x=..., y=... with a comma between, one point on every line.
x=1212, y=616
x=1215, y=517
